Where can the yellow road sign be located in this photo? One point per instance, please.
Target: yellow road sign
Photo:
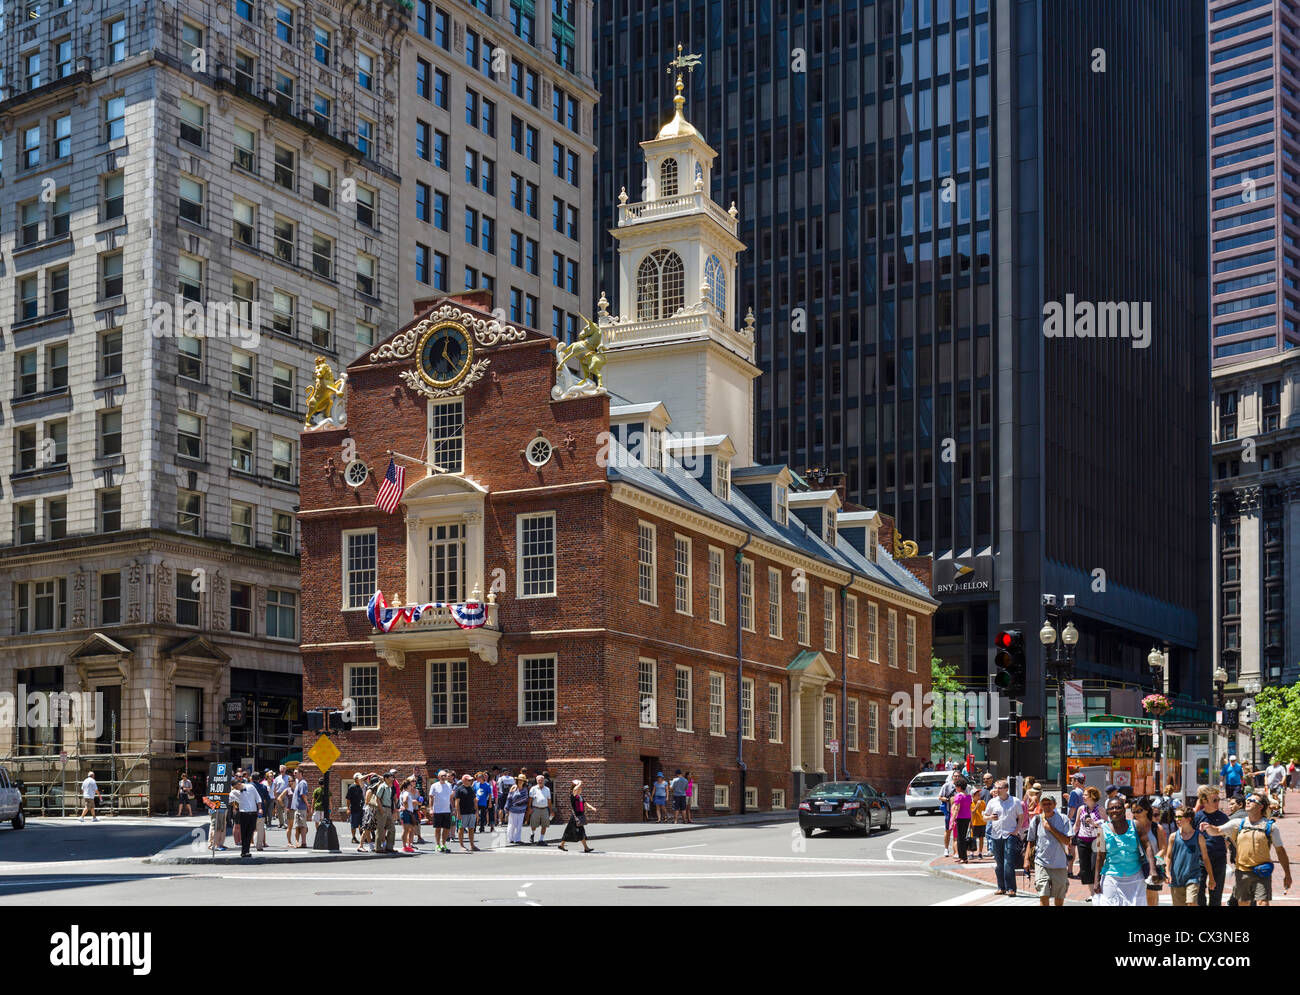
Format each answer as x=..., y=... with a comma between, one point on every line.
x=323, y=754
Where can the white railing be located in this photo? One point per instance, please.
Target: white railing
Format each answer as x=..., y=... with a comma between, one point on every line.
x=671, y=206
x=440, y=618
x=687, y=321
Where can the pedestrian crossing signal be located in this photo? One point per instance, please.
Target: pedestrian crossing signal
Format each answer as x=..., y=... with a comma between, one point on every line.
x=1030, y=729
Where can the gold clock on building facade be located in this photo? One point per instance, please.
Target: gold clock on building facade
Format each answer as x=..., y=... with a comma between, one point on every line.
x=444, y=355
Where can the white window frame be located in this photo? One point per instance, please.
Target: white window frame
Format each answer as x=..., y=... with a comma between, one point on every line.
x=718, y=681
x=688, y=701
x=851, y=725
x=873, y=632
x=436, y=409
x=555, y=688
x=801, y=607
x=828, y=618
x=873, y=726
x=751, y=796
x=682, y=582
x=646, y=579
x=851, y=626
x=781, y=504
x=428, y=693
x=774, y=602
x=520, y=520
x=718, y=591
x=911, y=739
x=747, y=594
x=722, y=796
x=778, y=799
x=747, y=713
x=828, y=731
x=347, y=570
x=775, y=717
x=909, y=637
x=348, y=669
x=893, y=639
x=647, y=718
x=722, y=478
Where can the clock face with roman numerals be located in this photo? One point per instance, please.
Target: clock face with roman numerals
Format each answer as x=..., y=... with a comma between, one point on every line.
x=445, y=354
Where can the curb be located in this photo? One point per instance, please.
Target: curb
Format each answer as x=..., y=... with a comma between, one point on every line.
x=944, y=872
x=323, y=857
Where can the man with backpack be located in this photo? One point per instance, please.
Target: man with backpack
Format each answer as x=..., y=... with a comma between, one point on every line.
x=1254, y=836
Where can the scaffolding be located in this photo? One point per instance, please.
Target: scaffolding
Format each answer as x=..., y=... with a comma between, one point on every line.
x=51, y=783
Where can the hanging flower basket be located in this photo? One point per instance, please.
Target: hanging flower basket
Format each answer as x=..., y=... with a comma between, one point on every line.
x=1156, y=704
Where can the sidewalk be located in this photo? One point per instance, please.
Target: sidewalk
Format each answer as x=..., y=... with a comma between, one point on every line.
x=192, y=847
x=981, y=871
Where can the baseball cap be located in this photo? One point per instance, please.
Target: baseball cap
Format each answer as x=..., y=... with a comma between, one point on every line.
x=1233, y=757
x=1110, y=788
x=1078, y=777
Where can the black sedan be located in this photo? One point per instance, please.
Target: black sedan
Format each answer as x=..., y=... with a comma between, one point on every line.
x=844, y=805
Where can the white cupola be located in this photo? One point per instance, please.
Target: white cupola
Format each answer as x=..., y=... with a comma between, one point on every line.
x=675, y=339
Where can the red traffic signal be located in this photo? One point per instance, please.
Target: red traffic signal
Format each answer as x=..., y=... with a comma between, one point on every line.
x=1010, y=661
x=1030, y=729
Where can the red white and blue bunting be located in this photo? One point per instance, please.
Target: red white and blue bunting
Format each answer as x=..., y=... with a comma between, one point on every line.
x=466, y=614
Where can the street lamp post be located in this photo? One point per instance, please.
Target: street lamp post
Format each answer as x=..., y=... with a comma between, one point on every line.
x=1220, y=681
x=1159, y=663
x=1058, y=656
x=1251, y=688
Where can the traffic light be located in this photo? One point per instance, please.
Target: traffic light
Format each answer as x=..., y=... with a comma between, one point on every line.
x=315, y=719
x=1010, y=660
x=339, y=721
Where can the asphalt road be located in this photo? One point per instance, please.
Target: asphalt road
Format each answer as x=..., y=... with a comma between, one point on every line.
x=64, y=862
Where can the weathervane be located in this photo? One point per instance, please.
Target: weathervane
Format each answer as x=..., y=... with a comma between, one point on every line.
x=687, y=62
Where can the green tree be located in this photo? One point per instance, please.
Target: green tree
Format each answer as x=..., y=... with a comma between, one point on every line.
x=945, y=741
x=1277, y=721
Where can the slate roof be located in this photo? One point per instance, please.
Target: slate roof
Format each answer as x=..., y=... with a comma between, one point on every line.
x=676, y=484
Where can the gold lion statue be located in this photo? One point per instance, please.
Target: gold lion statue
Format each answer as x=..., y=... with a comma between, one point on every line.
x=322, y=392
x=589, y=350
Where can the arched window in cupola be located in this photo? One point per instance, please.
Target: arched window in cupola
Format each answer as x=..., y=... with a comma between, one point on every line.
x=660, y=285
x=716, y=277
x=668, y=178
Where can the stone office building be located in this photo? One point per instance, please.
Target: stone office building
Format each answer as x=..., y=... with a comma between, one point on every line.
x=240, y=161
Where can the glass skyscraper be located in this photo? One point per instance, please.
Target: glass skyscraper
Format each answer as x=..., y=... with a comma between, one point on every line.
x=918, y=180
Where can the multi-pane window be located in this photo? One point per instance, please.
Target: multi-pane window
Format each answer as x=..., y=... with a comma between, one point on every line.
x=244, y=225
x=682, y=574
x=684, y=702
x=189, y=435
x=447, y=562
x=851, y=724
x=366, y=199
x=110, y=274
x=282, y=376
x=645, y=564
x=322, y=184
x=192, y=123
x=110, y=598
x=537, y=555
x=56, y=361
x=717, y=713
x=32, y=146
x=774, y=602
x=286, y=167
x=851, y=625
x=362, y=688
x=447, y=434
x=717, y=612
x=282, y=532
x=359, y=556
x=25, y=522
x=747, y=595
x=27, y=382
x=911, y=739
x=448, y=693
x=747, y=707
x=42, y=605
x=242, y=523
x=828, y=719
x=61, y=215
x=281, y=614
x=774, y=713
x=63, y=136
x=110, y=353
x=25, y=443
x=282, y=460
x=722, y=471
x=242, y=449
x=801, y=605
x=284, y=23
x=828, y=618
x=110, y=509
x=241, y=608
x=893, y=739
x=660, y=285
x=893, y=638
x=110, y=433
x=537, y=688
x=29, y=223
x=366, y=283
x=647, y=693
x=873, y=642
x=56, y=517
x=187, y=598
x=114, y=118
x=873, y=726
x=910, y=629
x=322, y=326
x=189, y=512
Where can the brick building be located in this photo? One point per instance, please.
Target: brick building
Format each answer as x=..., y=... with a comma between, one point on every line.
x=653, y=600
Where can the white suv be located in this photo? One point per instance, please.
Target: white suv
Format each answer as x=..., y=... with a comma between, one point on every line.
x=923, y=791
x=11, y=801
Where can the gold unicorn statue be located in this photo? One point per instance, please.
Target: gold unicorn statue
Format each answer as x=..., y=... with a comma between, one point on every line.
x=589, y=351
x=323, y=391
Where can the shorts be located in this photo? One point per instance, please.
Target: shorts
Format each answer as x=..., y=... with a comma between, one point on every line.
x=355, y=819
x=679, y=803
x=1050, y=882
x=1186, y=894
x=977, y=832
x=540, y=819
x=469, y=820
x=408, y=818
x=441, y=820
x=289, y=813
x=1250, y=887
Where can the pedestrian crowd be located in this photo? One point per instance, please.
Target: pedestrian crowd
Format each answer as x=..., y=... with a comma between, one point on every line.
x=1128, y=848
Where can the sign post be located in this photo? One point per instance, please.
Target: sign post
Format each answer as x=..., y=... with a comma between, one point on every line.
x=834, y=747
x=323, y=754
x=218, y=788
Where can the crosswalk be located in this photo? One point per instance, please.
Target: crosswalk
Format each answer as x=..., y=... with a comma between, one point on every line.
x=987, y=896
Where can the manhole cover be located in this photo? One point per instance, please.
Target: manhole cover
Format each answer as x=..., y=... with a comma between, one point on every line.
x=643, y=887
x=344, y=893
x=510, y=901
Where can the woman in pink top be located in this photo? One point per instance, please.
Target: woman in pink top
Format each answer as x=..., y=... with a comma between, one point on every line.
x=959, y=805
x=690, y=793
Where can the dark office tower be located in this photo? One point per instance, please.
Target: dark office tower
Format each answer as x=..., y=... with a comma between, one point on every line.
x=917, y=180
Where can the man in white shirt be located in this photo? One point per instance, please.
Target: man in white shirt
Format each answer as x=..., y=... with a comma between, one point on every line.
x=244, y=794
x=539, y=809
x=277, y=787
x=504, y=783
x=89, y=792
x=1002, y=821
x=1275, y=780
x=440, y=795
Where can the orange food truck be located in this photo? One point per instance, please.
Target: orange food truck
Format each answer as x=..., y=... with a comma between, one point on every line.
x=1118, y=750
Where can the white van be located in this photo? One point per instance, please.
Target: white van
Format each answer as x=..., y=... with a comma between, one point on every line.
x=11, y=801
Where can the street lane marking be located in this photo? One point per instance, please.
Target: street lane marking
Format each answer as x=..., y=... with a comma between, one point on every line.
x=889, y=850
x=842, y=861
x=488, y=878
x=967, y=898
x=72, y=880
x=692, y=846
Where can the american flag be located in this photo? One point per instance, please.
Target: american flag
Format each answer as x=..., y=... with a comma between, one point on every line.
x=390, y=492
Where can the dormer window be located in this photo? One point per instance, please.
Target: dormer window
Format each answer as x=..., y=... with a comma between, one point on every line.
x=873, y=542
x=655, y=449
x=722, y=479
x=829, y=532
x=781, y=505
x=668, y=178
